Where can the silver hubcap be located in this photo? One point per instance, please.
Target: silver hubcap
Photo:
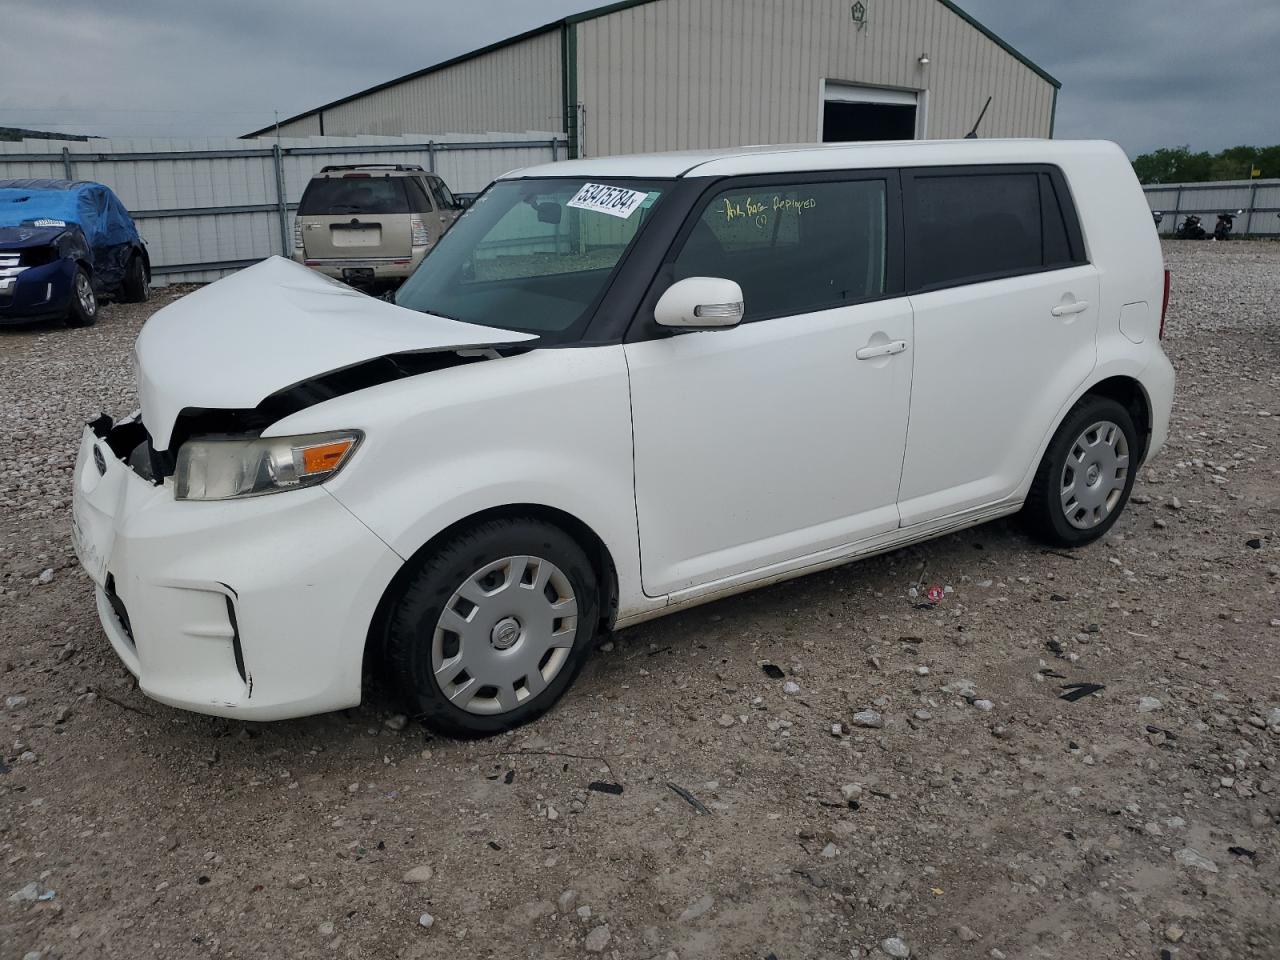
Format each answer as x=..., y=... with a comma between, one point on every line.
x=1094, y=476
x=84, y=293
x=504, y=634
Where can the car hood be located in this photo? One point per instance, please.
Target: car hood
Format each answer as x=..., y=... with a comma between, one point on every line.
x=25, y=235
x=233, y=343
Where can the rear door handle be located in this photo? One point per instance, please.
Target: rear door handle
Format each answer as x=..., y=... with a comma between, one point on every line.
x=1068, y=309
x=882, y=350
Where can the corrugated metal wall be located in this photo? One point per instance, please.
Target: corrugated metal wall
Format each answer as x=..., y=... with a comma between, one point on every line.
x=308, y=126
x=1259, y=199
x=165, y=194
x=712, y=73
x=515, y=88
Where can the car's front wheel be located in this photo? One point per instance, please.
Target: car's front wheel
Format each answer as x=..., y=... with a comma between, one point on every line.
x=493, y=625
x=1084, y=480
x=83, y=311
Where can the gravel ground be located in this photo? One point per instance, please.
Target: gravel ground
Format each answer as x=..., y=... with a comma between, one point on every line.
x=902, y=777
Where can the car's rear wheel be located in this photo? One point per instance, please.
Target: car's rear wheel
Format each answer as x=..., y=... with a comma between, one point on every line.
x=83, y=311
x=136, y=286
x=1084, y=480
x=493, y=626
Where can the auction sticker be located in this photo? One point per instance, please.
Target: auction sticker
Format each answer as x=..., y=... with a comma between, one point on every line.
x=615, y=201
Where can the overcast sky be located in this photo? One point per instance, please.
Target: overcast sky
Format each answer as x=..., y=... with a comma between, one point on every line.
x=1143, y=72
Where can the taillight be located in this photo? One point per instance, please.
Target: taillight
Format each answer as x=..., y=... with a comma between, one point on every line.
x=297, y=234
x=1164, y=307
x=418, y=232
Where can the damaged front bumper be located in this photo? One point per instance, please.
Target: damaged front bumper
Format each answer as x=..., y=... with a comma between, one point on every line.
x=34, y=293
x=256, y=608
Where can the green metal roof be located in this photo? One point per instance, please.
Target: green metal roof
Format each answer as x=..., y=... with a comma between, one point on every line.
x=592, y=14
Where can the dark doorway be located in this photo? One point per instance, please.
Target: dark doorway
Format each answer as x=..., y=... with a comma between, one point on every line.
x=843, y=121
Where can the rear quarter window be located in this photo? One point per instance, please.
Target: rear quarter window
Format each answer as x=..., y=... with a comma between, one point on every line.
x=966, y=227
x=334, y=196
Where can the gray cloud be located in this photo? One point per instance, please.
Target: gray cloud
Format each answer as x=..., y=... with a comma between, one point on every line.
x=1142, y=72
x=1149, y=73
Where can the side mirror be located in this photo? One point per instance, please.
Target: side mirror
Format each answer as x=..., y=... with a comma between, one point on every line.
x=700, y=303
x=549, y=212
x=461, y=203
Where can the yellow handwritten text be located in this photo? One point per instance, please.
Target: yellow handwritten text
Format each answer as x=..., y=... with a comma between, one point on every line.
x=757, y=209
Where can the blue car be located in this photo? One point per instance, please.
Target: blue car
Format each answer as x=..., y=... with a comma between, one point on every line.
x=64, y=246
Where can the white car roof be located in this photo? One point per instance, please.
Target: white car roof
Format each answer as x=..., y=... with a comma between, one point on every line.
x=782, y=158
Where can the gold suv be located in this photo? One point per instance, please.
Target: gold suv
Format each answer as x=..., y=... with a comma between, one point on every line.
x=370, y=224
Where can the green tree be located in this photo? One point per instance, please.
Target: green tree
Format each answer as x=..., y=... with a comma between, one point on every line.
x=1173, y=165
x=1180, y=165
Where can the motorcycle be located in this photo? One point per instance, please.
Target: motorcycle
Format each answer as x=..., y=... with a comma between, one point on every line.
x=1190, y=229
x=1226, y=222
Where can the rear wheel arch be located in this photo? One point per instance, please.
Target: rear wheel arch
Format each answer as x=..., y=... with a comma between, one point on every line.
x=586, y=538
x=1130, y=394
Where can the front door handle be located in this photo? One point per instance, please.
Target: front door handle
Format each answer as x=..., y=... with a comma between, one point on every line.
x=882, y=350
x=1068, y=309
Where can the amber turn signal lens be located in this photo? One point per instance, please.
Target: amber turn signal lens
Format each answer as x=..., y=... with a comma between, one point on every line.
x=324, y=457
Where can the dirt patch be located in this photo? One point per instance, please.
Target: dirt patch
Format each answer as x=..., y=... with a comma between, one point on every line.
x=987, y=816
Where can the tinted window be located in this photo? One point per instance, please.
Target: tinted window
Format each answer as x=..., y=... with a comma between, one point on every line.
x=333, y=196
x=417, y=195
x=792, y=248
x=1057, y=243
x=970, y=227
x=443, y=195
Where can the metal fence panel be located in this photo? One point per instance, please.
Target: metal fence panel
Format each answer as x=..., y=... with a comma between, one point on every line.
x=1259, y=199
x=207, y=206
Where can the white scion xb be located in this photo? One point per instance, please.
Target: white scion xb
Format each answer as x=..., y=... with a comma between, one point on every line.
x=615, y=389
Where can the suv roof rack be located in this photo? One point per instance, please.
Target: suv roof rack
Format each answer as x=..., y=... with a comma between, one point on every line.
x=371, y=166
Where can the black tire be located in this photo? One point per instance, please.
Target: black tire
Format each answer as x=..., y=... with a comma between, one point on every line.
x=413, y=616
x=136, y=287
x=83, y=311
x=1044, y=514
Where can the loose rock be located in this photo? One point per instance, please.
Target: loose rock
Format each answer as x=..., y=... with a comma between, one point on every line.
x=869, y=719
x=1189, y=857
x=597, y=939
x=697, y=908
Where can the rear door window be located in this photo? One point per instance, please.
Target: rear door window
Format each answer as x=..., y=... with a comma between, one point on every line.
x=334, y=196
x=1059, y=248
x=793, y=248
x=967, y=227
x=418, y=200
x=444, y=197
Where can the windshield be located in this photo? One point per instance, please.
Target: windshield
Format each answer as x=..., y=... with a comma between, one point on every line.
x=532, y=255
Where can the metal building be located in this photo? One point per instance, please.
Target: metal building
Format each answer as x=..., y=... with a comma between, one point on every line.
x=646, y=75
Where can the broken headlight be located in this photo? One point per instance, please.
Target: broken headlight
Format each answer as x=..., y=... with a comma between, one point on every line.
x=221, y=468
